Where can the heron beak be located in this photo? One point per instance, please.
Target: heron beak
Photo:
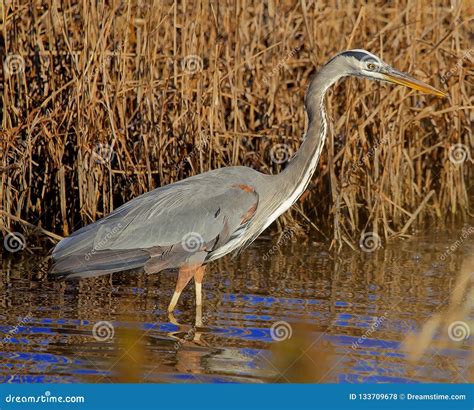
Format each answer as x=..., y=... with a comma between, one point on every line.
x=397, y=77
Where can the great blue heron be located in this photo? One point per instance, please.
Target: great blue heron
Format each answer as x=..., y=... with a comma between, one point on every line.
x=199, y=219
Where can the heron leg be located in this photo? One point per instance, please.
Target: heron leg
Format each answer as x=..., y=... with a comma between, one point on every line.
x=198, y=322
x=198, y=276
x=184, y=276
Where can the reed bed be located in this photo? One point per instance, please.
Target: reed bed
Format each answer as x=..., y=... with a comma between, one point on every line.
x=102, y=101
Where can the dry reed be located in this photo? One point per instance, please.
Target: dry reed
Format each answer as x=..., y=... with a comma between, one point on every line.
x=102, y=101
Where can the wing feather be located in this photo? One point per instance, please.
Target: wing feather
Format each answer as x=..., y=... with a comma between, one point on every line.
x=160, y=223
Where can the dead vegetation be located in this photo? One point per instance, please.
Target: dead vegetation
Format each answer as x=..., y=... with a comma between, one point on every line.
x=102, y=101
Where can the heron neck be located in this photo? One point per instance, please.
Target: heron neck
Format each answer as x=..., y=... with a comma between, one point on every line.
x=297, y=175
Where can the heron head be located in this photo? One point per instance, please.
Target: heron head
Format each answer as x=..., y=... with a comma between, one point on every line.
x=361, y=63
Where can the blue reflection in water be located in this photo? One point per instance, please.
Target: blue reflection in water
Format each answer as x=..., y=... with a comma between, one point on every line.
x=363, y=369
x=352, y=316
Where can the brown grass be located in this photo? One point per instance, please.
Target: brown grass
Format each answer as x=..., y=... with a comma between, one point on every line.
x=119, y=74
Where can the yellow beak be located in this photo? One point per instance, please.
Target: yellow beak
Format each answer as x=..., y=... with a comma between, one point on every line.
x=396, y=77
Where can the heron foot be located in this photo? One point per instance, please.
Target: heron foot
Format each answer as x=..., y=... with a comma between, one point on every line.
x=172, y=319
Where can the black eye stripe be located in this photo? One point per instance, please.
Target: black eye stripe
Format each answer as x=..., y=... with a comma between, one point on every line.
x=361, y=56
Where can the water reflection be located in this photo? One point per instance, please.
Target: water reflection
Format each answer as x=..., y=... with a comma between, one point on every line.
x=348, y=316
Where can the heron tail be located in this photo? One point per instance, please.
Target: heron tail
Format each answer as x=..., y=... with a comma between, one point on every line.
x=99, y=263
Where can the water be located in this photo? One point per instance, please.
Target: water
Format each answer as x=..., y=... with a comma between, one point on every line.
x=348, y=315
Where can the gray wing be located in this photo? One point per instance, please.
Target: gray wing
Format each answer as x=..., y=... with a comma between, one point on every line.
x=168, y=227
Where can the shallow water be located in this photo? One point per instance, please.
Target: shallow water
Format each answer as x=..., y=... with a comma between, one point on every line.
x=347, y=313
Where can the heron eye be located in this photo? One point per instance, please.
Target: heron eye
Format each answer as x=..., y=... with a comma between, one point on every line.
x=371, y=66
